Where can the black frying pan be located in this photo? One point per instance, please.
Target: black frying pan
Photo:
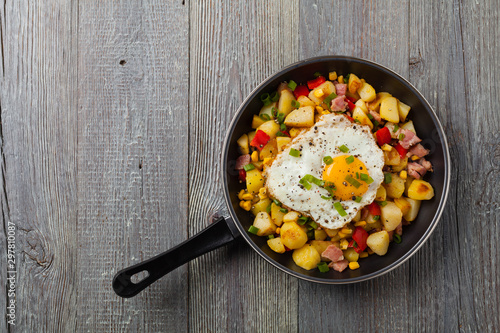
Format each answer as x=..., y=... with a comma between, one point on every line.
x=228, y=229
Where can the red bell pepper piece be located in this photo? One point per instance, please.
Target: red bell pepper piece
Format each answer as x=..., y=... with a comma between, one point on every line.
x=243, y=175
x=402, y=151
x=316, y=82
x=352, y=99
x=300, y=91
x=359, y=236
x=383, y=136
x=374, y=209
x=349, y=117
x=286, y=133
x=350, y=104
x=260, y=140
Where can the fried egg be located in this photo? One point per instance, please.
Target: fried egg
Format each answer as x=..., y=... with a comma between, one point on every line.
x=328, y=172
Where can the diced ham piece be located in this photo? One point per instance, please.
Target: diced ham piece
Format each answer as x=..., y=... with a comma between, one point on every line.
x=418, y=150
x=409, y=139
x=416, y=170
x=242, y=161
x=340, y=88
x=333, y=253
x=399, y=229
x=364, y=214
x=391, y=235
x=339, y=103
x=377, y=117
x=339, y=266
x=426, y=164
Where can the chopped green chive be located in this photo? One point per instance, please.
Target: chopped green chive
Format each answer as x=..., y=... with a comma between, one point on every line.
x=310, y=234
x=265, y=98
x=328, y=160
x=281, y=117
x=276, y=202
x=346, y=78
x=295, y=104
x=268, y=209
x=317, y=74
x=294, y=152
x=370, y=116
x=328, y=99
x=397, y=238
x=292, y=85
x=375, y=124
x=364, y=177
x=357, y=175
x=382, y=203
x=354, y=244
x=387, y=177
x=349, y=159
x=274, y=96
x=283, y=127
x=376, y=217
x=264, y=116
x=249, y=167
x=270, y=236
x=283, y=210
x=344, y=149
x=314, y=180
x=313, y=225
x=396, y=127
x=280, y=133
x=303, y=220
x=401, y=137
x=339, y=208
x=326, y=198
x=253, y=230
x=305, y=183
x=358, y=199
x=352, y=181
x=274, y=112
x=323, y=267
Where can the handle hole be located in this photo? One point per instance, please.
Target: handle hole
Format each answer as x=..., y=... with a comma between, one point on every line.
x=138, y=277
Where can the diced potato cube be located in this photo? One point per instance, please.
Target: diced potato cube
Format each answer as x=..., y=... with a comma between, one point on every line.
x=294, y=132
x=403, y=110
x=412, y=213
x=276, y=245
x=396, y=187
x=403, y=163
x=362, y=105
x=320, y=245
x=375, y=104
x=360, y=116
x=320, y=234
x=409, y=126
x=327, y=88
x=351, y=255
x=378, y=242
x=331, y=232
x=381, y=194
x=357, y=217
x=270, y=150
x=257, y=121
x=302, y=117
x=243, y=144
x=389, y=109
x=260, y=206
x=291, y=217
x=263, y=222
x=403, y=204
x=408, y=182
x=292, y=235
x=268, y=109
x=391, y=157
x=366, y=92
x=282, y=141
x=306, y=257
x=251, y=135
x=420, y=190
x=270, y=128
x=285, y=102
x=276, y=214
x=254, y=181
x=354, y=83
x=391, y=216
x=305, y=101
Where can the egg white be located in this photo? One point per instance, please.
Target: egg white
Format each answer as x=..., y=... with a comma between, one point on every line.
x=323, y=139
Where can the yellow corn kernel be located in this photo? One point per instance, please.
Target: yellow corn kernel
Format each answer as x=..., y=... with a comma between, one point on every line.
x=318, y=92
x=278, y=230
x=353, y=265
x=240, y=194
x=266, y=159
x=319, y=109
x=247, y=196
x=332, y=76
x=341, y=79
x=415, y=157
x=294, y=132
x=403, y=174
x=341, y=234
x=370, y=252
x=360, y=224
x=346, y=231
x=386, y=147
x=325, y=112
x=344, y=244
x=255, y=156
x=262, y=193
x=363, y=254
x=246, y=205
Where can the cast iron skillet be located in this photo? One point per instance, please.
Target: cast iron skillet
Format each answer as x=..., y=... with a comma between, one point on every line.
x=228, y=229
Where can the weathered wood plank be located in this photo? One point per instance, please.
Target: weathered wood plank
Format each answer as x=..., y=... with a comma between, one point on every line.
x=38, y=153
x=376, y=31
x=234, y=45
x=132, y=166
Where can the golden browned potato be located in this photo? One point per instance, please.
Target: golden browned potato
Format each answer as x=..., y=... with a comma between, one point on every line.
x=320, y=245
x=243, y=144
x=366, y=92
x=375, y=104
x=292, y=235
x=285, y=102
x=389, y=109
x=378, y=242
x=282, y=141
x=257, y=121
x=305, y=101
x=391, y=157
x=396, y=187
x=403, y=204
x=403, y=162
x=276, y=245
x=327, y=88
x=403, y=110
x=381, y=194
x=409, y=126
x=270, y=150
x=270, y=128
x=260, y=206
x=291, y=217
x=360, y=116
x=412, y=213
x=254, y=181
x=268, y=110
x=320, y=234
x=263, y=222
x=306, y=257
x=362, y=105
x=351, y=255
x=276, y=214
x=354, y=83
x=391, y=216
x=302, y=117
x=420, y=190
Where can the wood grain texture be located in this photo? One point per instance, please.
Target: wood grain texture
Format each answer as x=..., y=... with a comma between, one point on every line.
x=132, y=186
x=38, y=119
x=234, y=45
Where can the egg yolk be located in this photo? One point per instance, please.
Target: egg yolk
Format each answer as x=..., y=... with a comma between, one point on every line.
x=341, y=171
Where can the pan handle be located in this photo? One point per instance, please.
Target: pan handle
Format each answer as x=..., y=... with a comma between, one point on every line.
x=217, y=234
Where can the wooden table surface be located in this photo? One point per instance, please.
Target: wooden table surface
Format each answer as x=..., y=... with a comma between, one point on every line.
x=112, y=119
